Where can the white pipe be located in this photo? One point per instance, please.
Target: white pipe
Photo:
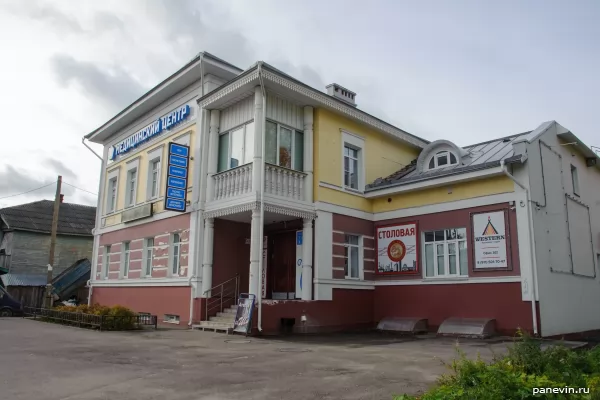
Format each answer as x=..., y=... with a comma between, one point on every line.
x=90, y=149
x=531, y=245
x=262, y=195
x=196, y=248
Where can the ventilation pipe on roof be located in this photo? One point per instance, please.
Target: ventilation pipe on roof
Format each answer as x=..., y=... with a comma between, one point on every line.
x=533, y=262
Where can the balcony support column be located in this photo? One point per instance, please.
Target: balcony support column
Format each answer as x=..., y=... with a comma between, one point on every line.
x=308, y=153
x=213, y=153
x=258, y=140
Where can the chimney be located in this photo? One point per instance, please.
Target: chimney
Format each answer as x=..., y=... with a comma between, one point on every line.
x=342, y=93
x=62, y=196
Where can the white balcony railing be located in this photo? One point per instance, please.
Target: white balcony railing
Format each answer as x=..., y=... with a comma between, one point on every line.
x=233, y=182
x=279, y=181
x=284, y=182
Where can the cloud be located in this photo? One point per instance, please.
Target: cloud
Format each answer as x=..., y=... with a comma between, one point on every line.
x=60, y=169
x=115, y=88
x=15, y=181
x=104, y=21
x=59, y=21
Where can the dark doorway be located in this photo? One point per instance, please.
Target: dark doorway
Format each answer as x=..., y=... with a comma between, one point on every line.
x=282, y=268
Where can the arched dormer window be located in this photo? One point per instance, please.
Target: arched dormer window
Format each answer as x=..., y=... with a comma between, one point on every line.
x=442, y=159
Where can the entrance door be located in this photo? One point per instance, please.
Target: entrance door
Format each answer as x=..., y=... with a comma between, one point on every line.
x=283, y=262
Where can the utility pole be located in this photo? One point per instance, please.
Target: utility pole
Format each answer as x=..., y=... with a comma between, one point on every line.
x=48, y=303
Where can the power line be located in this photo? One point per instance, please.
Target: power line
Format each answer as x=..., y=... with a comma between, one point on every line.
x=83, y=190
x=29, y=191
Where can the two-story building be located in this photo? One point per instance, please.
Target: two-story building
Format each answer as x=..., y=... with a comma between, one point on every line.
x=220, y=181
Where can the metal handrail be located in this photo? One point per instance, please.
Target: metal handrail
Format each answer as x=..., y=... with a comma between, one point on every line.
x=223, y=293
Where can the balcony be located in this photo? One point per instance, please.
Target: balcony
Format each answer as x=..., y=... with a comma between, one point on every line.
x=279, y=181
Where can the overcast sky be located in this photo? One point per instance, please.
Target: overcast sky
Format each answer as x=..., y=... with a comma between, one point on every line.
x=467, y=71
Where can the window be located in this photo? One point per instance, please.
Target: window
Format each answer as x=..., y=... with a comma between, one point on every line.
x=284, y=146
x=236, y=147
x=131, y=186
x=575, y=180
x=446, y=253
x=154, y=178
x=352, y=156
x=350, y=167
x=106, y=262
x=126, y=258
x=352, y=253
x=171, y=319
x=442, y=159
x=112, y=195
x=175, y=263
x=148, y=256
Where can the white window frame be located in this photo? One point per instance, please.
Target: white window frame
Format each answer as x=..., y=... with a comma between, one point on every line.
x=293, y=151
x=357, y=143
x=229, y=132
x=133, y=167
x=360, y=256
x=171, y=319
x=154, y=155
x=173, y=246
x=575, y=181
x=456, y=241
x=147, y=256
x=106, y=262
x=110, y=204
x=440, y=154
x=125, y=259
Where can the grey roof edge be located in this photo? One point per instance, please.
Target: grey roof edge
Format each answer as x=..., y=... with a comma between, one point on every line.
x=536, y=133
x=272, y=69
x=5, y=221
x=140, y=99
x=456, y=171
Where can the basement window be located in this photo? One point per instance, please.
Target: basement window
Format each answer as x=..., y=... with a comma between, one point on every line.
x=171, y=319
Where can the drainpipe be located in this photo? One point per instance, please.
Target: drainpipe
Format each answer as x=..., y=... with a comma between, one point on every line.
x=96, y=246
x=262, y=196
x=196, y=248
x=531, y=245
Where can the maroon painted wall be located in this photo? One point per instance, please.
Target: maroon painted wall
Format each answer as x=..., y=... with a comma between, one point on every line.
x=231, y=254
x=156, y=300
x=501, y=301
x=350, y=309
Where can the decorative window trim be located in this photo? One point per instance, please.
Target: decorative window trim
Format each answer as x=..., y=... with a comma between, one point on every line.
x=125, y=260
x=145, y=249
x=361, y=259
x=132, y=169
x=172, y=247
x=112, y=175
x=106, y=261
x=154, y=156
x=449, y=154
x=243, y=127
x=293, y=160
x=357, y=143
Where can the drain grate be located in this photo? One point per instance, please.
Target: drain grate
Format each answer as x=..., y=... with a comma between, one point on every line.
x=293, y=350
x=237, y=341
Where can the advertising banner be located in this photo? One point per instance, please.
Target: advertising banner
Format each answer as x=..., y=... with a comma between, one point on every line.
x=489, y=236
x=397, y=251
x=243, y=316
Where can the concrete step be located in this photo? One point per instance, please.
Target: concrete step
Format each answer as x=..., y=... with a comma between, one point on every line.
x=227, y=319
x=214, y=326
x=228, y=311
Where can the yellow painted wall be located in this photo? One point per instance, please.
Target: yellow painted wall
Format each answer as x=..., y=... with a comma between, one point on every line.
x=382, y=156
x=461, y=191
x=143, y=170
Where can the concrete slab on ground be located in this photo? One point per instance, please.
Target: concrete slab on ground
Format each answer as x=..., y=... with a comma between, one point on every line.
x=44, y=361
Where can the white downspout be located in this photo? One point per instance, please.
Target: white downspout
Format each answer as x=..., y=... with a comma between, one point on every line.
x=262, y=195
x=196, y=248
x=96, y=243
x=531, y=245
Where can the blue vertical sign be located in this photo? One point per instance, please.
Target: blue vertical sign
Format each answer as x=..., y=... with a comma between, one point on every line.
x=177, y=176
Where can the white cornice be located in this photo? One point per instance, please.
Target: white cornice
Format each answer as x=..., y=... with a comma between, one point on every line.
x=229, y=88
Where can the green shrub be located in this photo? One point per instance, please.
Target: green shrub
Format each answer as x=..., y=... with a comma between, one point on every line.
x=515, y=375
x=115, y=317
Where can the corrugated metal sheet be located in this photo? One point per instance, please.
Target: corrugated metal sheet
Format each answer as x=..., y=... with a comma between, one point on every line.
x=23, y=280
x=285, y=112
x=237, y=114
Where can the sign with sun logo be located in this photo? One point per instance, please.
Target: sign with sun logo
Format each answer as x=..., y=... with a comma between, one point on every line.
x=489, y=231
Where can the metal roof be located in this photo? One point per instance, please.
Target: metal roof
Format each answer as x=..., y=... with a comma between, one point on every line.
x=73, y=219
x=477, y=157
x=23, y=280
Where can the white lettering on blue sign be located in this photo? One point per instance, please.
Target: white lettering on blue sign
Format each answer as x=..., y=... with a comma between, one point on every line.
x=154, y=129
